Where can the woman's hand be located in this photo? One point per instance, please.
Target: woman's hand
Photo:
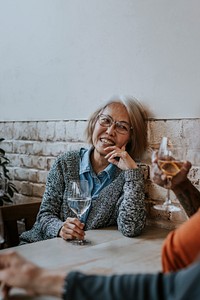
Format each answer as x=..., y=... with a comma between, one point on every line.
x=120, y=158
x=72, y=228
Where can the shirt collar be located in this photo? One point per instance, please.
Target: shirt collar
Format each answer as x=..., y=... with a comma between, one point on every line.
x=85, y=165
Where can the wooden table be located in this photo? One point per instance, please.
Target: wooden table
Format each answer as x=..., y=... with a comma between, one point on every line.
x=109, y=252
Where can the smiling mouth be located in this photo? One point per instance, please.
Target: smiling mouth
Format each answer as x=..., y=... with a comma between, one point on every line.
x=107, y=142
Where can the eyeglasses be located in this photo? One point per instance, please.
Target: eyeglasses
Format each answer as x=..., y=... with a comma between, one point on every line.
x=120, y=126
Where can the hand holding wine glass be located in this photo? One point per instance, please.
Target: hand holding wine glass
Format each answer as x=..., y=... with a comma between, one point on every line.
x=79, y=201
x=169, y=159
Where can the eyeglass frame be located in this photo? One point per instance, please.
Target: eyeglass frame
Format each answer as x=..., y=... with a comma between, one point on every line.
x=114, y=122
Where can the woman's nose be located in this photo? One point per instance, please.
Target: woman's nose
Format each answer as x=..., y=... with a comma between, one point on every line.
x=111, y=129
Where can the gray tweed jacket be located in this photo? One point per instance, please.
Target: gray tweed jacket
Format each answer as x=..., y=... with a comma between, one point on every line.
x=121, y=203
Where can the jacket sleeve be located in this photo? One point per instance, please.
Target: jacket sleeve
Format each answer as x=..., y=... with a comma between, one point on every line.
x=181, y=285
x=49, y=216
x=132, y=214
x=182, y=246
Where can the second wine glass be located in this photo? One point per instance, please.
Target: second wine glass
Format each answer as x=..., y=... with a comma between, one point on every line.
x=79, y=201
x=170, y=162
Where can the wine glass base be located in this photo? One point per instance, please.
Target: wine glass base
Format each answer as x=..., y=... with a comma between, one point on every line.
x=168, y=207
x=80, y=242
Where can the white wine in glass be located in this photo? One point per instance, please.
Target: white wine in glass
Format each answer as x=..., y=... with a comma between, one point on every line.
x=170, y=162
x=79, y=201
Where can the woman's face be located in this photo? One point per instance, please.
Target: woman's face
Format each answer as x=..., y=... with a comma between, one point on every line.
x=103, y=137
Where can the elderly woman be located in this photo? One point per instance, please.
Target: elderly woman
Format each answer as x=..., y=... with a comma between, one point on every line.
x=117, y=134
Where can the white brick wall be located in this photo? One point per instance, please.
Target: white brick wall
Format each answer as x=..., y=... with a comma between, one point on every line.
x=33, y=146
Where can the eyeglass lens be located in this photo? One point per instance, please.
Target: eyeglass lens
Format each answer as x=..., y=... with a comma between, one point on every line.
x=107, y=121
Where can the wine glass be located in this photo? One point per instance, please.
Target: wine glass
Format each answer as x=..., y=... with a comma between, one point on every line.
x=170, y=162
x=79, y=201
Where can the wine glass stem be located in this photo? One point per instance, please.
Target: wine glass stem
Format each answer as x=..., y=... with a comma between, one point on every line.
x=168, y=200
x=79, y=217
x=169, y=183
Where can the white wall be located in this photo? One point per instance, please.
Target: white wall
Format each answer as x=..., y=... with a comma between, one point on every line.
x=59, y=59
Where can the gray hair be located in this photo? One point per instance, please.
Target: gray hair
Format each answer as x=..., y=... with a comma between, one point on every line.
x=137, y=143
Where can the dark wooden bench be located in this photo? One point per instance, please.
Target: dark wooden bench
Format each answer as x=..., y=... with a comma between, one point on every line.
x=11, y=214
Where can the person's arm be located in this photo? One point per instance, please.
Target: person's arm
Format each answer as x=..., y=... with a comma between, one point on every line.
x=181, y=285
x=15, y=271
x=50, y=210
x=188, y=195
x=50, y=213
x=132, y=214
x=184, y=190
x=182, y=246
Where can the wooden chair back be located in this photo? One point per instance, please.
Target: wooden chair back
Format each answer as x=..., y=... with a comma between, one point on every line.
x=11, y=214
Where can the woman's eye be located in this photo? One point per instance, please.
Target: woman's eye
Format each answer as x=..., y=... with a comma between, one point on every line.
x=121, y=126
x=106, y=121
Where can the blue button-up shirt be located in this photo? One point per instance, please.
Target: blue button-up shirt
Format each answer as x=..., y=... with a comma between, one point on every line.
x=96, y=181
